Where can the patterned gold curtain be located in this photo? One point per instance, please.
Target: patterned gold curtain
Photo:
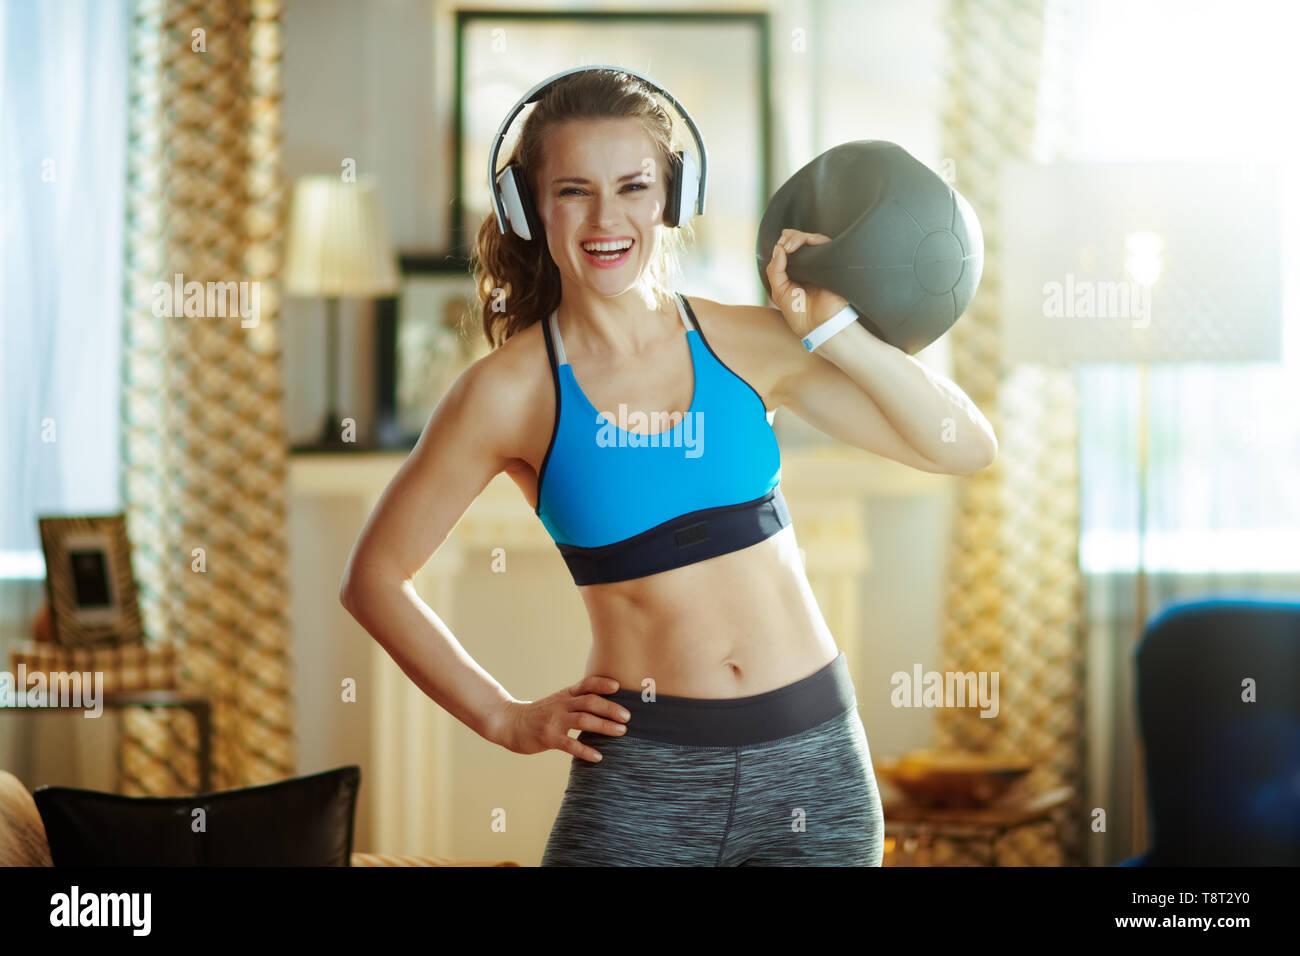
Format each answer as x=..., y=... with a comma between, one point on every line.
x=1014, y=590
x=203, y=443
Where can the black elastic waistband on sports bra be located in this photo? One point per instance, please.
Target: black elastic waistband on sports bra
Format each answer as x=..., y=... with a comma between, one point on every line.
x=739, y=721
x=695, y=536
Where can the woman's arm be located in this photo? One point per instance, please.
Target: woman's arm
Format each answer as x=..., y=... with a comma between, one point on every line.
x=459, y=452
x=874, y=395
x=867, y=392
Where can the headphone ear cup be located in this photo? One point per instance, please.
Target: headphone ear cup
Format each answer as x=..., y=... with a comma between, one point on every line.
x=688, y=187
x=518, y=202
x=673, y=201
x=531, y=216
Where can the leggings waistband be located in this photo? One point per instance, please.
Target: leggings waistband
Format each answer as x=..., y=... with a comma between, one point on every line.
x=738, y=721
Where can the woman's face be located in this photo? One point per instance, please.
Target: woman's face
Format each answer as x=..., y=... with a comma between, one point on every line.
x=602, y=180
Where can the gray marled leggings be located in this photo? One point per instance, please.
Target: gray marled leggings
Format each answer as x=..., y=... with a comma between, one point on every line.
x=777, y=779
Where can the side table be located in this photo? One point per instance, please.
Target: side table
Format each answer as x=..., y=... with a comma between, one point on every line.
x=914, y=831
x=118, y=700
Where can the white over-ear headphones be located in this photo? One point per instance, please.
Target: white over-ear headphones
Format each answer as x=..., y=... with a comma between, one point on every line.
x=513, y=202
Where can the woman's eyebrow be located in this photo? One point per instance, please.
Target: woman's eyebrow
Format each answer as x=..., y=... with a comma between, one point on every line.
x=578, y=179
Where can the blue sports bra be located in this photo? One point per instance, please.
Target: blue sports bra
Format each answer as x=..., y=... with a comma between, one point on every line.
x=620, y=504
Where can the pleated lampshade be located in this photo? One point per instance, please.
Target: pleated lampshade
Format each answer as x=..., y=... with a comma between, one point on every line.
x=338, y=240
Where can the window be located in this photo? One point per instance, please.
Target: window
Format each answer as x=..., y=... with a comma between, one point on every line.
x=1169, y=80
x=63, y=96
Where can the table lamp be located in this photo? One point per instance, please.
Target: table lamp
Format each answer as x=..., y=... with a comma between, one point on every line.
x=338, y=246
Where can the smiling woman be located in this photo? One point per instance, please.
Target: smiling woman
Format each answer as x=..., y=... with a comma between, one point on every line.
x=577, y=137
x=607, y=251
x=576, y=217
x=679, y=540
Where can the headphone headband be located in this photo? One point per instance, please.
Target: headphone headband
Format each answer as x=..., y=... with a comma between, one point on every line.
x=535, y=93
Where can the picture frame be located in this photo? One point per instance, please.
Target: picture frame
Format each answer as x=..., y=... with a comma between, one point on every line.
x=501, y=54
x=425, y=337
x=89, y=582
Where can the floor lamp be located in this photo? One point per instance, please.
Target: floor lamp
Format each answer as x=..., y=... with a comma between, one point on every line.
x=338, y=246
x=1140, y=263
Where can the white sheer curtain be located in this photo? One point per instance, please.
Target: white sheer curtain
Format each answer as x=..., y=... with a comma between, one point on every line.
x=63, y=100
x=1171, y=80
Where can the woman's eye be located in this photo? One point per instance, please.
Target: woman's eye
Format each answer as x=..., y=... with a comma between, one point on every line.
x=575, y=189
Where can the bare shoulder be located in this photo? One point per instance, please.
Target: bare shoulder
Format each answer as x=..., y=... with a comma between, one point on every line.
x=754, y=341
x=509, y=393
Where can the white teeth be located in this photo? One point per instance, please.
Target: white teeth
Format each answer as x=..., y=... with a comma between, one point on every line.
x=607, y=246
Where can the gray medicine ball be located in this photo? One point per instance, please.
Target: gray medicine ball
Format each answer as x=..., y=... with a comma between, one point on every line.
x=906, y=249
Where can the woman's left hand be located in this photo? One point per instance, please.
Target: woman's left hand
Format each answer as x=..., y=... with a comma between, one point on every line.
x=818, y=304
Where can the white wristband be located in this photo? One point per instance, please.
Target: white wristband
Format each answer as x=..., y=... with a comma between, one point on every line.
x=844, y=317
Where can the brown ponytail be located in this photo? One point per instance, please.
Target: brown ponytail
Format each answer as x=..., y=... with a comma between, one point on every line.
x=523, y=271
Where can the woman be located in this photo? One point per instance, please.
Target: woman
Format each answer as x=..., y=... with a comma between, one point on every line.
x=717, y=721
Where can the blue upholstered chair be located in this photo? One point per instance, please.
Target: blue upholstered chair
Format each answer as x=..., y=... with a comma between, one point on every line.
x=1223, y=775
